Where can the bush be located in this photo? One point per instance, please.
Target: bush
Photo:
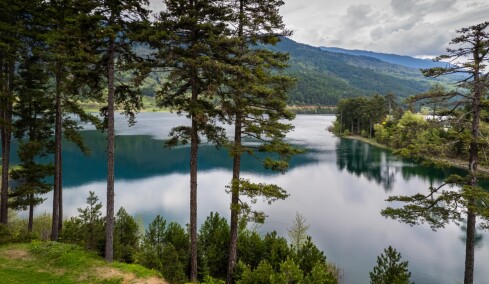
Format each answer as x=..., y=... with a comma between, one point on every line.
x=126, y=237
x=165, y=249
x=390, y=268
x=88, y=229
x=213, y=243
x=5, y=234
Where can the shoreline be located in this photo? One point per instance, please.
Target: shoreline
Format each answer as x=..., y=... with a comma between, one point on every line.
x=459, y=164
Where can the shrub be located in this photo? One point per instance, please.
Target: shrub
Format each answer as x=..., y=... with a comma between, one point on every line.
x=390, y=268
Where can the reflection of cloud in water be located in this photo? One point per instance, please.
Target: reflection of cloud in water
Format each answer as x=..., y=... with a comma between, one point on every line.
x=165, y=195
x=346, y=223
x=340, y=195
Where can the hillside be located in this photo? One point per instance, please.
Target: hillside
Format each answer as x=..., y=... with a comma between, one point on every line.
x=324, y=77
x=46, y=262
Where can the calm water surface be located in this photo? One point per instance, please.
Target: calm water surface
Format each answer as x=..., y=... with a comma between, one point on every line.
x=339, y=186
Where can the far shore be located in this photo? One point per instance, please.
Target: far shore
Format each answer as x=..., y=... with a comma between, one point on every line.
x=456, y=163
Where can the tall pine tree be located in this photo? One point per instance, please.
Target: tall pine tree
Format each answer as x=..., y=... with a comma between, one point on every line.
x=255, y=101
x=33, y=129
x=187, y=37
x=439, y=207
x=119, y=23
x=14, y=19
x=71, y=60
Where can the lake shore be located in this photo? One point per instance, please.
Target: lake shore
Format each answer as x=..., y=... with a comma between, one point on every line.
x=456, y=163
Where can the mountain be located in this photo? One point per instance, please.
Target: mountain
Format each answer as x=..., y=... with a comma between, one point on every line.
x=402, y=60
x=324, y=77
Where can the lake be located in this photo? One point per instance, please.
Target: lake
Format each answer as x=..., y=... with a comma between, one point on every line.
x=339, y=186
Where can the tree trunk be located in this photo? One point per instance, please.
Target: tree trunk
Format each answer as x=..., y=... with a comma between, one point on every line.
x=473, y=163
x=193, y=188
x=234, y=200
x=233, y=234
x=31, y=215
x=109, y=225
x=469, y=247
x=60, y=194
x=6, y=135
x=57, y=161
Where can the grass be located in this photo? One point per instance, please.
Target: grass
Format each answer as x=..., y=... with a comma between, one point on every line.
x=51, y=262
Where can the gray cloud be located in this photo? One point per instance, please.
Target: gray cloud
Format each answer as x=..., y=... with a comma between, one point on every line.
x=410, y=27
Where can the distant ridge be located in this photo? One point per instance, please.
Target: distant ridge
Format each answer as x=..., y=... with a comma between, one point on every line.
x=403, y=60
x=324, y=77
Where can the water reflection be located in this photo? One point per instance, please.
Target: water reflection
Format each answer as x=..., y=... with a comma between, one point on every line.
x=381, y=166
x=339, y=186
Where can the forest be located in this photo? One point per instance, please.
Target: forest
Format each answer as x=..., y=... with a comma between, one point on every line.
x=54, y=55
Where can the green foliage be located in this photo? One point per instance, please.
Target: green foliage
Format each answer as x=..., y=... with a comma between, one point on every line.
x=263, y=273
x=309, y=255
x=213, y=238
x=322, y=273
x=5, y=234
x=253, y=191
x=390, y=269
x=165, y=248
x=126, y=237
x=288, y=272
x=277, y=249
x=87, y=229
x=251, y=248
x=358, y=115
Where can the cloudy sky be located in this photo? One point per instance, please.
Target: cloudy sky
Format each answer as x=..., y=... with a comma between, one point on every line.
x=408, y=27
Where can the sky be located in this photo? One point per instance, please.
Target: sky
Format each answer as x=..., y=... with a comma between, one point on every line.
x=420, y=28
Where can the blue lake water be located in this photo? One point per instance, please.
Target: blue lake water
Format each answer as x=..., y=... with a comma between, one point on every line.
x=339, y=186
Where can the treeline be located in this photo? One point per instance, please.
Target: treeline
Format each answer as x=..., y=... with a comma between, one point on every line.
x=54, y=54
x=359, y=115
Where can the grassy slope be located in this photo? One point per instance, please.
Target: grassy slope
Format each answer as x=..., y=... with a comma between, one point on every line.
x=47, y=262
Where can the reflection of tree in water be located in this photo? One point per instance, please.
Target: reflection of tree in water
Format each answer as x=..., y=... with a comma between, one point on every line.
x=381, y=166
x=141, y=156
x=365, y=160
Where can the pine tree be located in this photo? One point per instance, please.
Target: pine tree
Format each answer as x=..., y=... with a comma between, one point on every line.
x=254, y=101
x=33, y=131
x=14, y=17
x=187, y=36
x=390, y=269
x=440, y=207
x=71, y=62
x=119, y=23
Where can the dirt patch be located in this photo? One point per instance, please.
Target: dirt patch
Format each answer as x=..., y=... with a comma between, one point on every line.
x=17, y=254
x=127, y=278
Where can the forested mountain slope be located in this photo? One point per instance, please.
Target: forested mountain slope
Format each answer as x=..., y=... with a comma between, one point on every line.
x=324, y=77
